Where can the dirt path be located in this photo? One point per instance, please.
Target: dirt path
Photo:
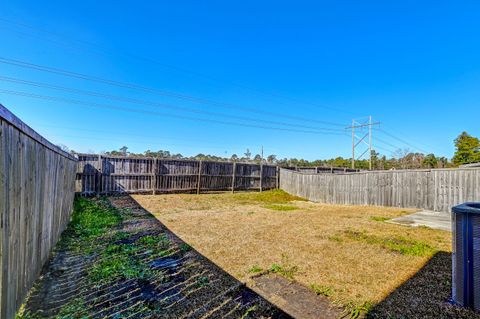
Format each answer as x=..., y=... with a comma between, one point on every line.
x=186, y=284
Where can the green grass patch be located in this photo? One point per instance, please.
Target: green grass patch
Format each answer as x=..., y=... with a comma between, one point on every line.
x=379, y=218
x=92, y=218
x=119, y=254
x=120, y=260
x=284, y=268
x=354, y=311
x=282, y=208
x=199, y=208
x=247, y=313
x=322, y=290
x=116, y=266
x=74, y=309
x=401, y=245
x=255, y=269
x=336, y=238
x=158, y=242
x=185, y=247
x=276, y=196
x=203, y=281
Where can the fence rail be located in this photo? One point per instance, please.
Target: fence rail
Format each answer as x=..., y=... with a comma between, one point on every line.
x=37, y=182
x=325, y=170
x=436, y=189
x=100, y=174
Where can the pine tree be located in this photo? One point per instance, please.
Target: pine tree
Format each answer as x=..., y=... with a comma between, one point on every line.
x=467, y=149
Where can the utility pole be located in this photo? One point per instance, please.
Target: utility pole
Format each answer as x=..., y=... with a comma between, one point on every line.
x=353, y=144
x=370, y=142
x=357, y=140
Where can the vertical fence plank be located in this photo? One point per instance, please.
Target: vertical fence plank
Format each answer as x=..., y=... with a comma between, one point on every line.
x=233, y=176
x=98, y=184
x=261, y=177
x=199, y=179
x=154, y=176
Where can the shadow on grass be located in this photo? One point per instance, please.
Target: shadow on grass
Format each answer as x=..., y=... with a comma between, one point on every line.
x=424, y=295
x=293, y=299
x=173, y=280
x=226, y=294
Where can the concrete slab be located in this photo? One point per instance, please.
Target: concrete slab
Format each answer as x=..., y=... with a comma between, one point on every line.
x=295, y=299
x=430, y=219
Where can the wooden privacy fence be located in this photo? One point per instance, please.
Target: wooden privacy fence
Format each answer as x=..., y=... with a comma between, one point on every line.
x=325, y=170
x=100, y=174
x=436, y=190
x=37, y=182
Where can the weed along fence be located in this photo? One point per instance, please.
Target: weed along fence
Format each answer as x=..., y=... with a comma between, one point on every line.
x=437, y=190
x=37, y=182
x=99, y=174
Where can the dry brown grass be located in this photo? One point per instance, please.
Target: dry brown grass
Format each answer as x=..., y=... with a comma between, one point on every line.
x=348, y=251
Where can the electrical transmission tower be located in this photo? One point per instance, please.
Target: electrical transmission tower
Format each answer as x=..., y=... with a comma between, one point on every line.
x=365, y=129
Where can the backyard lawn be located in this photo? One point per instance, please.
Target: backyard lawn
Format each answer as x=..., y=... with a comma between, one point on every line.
x=351, y=254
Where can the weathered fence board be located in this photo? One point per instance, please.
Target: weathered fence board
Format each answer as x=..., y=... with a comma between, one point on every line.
x=36, y=196
x=324, y=170
x=100, y=174
x=437, y=189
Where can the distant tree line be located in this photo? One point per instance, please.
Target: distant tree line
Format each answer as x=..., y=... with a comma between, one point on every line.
x=467, y=150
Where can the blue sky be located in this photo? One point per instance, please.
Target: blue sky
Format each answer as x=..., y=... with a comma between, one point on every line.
x=221, y=75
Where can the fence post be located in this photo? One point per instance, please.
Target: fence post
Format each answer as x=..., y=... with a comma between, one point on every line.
x=199, y=176
x=98, y=186
x=154, y=176
x=277, y=177
x=233, y=176
x=261, y=176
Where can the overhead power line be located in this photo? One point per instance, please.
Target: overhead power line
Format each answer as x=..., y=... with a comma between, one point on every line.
x=386, y=143
x=149, y=90
x=402, y=141
x=99, y=48
x=383, y=149
x=154, y=104
x=407, y=138
x=135, y=135
x=155, y=113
